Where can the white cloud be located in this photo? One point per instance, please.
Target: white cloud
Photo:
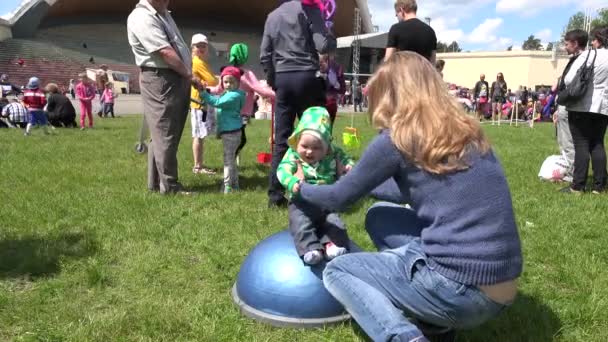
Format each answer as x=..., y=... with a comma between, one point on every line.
x=485, y=32
x=446, y=16
x=545, y=35
x=533, y=7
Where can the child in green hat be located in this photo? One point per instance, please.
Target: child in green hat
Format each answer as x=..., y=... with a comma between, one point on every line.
x=316, y=233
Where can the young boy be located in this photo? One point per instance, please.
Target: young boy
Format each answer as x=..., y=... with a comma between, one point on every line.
x=314, y=231
x=35, y=100
x=229, y=122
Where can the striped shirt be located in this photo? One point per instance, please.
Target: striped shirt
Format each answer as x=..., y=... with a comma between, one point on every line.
x=34, y=99
x=15, y=112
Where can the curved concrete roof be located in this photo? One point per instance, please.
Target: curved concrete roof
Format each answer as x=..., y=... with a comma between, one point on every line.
x=243, y=11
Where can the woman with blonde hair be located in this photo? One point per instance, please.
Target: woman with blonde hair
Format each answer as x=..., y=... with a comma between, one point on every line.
x=452, y=258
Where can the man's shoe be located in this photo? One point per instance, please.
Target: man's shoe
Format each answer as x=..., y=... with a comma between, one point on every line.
x=569, y=190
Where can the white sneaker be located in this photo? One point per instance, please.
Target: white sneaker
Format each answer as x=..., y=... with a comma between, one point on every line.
x=332, y=251
x=313, y=257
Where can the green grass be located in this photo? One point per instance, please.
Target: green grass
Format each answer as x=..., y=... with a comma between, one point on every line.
x=86, y=253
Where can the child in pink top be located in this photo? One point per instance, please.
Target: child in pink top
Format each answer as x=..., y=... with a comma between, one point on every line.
x=85, y=92
x=108, y=97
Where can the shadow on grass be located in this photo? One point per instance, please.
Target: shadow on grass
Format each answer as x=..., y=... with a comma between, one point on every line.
x=526, y=320
x=40, y=257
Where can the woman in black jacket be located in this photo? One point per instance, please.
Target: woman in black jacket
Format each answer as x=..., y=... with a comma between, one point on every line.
x=60, y=110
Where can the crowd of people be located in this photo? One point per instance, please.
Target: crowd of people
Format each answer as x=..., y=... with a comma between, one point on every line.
x=448, y=260
x=32, y=105
x=426, y=259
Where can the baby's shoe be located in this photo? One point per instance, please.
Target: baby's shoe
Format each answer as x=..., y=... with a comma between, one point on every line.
x=332, y=251
x=313, y=257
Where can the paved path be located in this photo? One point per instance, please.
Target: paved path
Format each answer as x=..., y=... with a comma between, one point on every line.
x=131, y=104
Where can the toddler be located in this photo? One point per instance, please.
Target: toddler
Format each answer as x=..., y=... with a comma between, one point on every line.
x=315, y=232
x=229, y=123
x=35, y=100
x=85, y=92
x=108, y=97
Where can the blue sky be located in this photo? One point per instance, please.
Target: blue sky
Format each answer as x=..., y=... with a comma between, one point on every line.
x=475, y=24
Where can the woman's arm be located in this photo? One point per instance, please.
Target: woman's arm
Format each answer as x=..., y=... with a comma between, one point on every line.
x=250, y=81
x=380, y=161
x=50, y=106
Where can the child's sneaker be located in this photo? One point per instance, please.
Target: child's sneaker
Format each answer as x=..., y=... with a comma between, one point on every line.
x=332, y=251
x=228, y=189
x=313, y=257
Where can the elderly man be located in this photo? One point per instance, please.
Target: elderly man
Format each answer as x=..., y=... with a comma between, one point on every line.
x=165, y=60
x=294, y=36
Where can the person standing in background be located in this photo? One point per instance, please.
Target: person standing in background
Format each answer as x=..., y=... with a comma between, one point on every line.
x=294, y=36
x=165, y=60
x=410, y=33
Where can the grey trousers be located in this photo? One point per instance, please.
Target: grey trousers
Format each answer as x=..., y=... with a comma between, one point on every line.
x=311, y=228
x=564, y=137
x=165, y=96
x=231, y=142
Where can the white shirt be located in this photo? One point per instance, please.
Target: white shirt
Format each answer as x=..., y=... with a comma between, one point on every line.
x=595, y=99
x=150, y=31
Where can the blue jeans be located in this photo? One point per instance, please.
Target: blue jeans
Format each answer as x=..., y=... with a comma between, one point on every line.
x=380, y=289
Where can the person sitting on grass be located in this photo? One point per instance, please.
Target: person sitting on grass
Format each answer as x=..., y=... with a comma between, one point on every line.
x=35, y=100
x=14, y=113
x=60, y=109
x=451, y=259
x=229, y=122
x=315, y=232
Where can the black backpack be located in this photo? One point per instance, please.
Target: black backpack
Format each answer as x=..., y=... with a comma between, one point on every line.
x=575, y=91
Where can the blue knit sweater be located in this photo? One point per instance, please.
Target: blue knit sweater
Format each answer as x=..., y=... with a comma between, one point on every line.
x=469, y=233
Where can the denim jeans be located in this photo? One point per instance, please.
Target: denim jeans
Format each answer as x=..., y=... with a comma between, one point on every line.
x=391, y=293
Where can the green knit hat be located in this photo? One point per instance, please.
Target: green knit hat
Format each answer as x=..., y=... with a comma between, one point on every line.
x=313, y=119
x=239, y=54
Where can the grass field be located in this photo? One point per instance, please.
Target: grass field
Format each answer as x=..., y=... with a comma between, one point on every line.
x=86, y=253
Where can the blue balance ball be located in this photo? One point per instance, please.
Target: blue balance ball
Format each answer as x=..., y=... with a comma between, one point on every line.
x=276, y=287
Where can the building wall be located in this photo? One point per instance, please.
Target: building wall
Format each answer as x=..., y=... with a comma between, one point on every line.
x=520, y=68
x=5, y=33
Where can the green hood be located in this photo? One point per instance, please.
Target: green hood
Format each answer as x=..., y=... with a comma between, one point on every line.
x=314, y=119
x=239, y=54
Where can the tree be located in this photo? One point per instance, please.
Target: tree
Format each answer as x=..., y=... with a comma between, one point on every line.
x=601, y=19
x=532, y=44
x=577, y=21
x=510, y=48
x=454, y=47
x=549, y=46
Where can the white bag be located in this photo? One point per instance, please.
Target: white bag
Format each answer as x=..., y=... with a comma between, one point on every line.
x=555, y=169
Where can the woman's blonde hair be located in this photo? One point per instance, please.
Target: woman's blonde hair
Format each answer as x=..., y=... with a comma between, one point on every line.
x=408, y=97
x=52, y=88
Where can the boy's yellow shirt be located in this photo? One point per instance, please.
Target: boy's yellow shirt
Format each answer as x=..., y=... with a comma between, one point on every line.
x=201, y=69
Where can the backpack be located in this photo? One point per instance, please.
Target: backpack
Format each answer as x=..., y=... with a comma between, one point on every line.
x=578, y=87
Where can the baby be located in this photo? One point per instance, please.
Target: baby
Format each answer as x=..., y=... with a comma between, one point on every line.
x=315, y=232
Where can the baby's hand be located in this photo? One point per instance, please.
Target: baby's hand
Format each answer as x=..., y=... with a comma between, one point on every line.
x=347, y=169
x=296, y=188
